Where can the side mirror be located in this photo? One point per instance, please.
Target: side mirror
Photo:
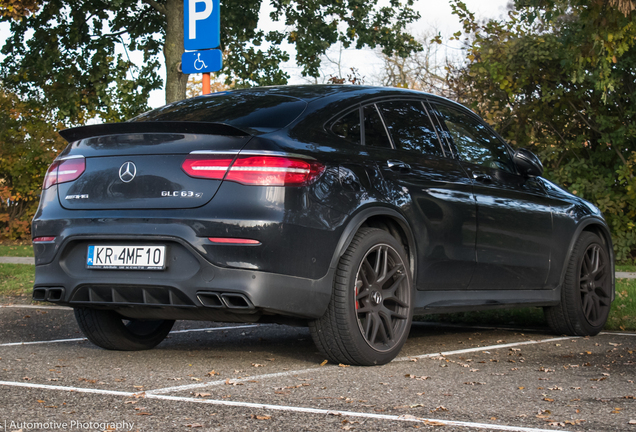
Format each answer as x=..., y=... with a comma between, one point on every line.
x=528, y=163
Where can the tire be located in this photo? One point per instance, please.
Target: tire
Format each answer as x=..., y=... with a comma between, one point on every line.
x=109, y=330
x=369, y=316
x=586, y=292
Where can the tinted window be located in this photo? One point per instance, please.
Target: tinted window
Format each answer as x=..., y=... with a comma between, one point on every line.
x=253, y=110
x=374, y=132
x=348, y=127
x=474, y=141
x=410, y=127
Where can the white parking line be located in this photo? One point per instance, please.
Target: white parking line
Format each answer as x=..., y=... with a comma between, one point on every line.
x=485, y=348
x=311, y=369
x=238, y=380
x=306, y=410
x=42, y=342
x=36, y=307
x=83, y=339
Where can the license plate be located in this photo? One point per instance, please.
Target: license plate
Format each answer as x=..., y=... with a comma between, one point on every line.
x=126, y=257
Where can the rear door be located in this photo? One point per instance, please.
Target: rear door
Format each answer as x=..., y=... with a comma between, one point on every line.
x=441, y=203
x=514, y=221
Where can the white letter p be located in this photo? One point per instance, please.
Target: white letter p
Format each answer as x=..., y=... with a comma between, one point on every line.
x=198, y=16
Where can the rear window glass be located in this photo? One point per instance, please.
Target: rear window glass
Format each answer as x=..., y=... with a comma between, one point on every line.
x=348, y=127
x=243, y=110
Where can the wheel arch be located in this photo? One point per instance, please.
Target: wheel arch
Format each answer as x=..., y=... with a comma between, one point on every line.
x=596, y=226
x=384, y=218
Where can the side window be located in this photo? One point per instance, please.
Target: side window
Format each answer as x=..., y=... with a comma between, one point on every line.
x=411, y=127
x=348, y=127
x=474, y=141
x=374, y=132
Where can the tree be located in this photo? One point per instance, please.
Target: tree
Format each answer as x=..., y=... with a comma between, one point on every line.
x=65, y=53
x=28, y=144
x=559, y=77
x=427, y=70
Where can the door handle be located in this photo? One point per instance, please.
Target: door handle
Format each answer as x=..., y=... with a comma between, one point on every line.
x=397, y=165
x=479, y=176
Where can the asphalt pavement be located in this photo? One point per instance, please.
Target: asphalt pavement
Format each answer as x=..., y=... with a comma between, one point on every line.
x=234, y=377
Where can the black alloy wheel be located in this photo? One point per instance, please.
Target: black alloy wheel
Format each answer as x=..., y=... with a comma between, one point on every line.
x=595, y=289
x=586, y=293
x=369, y=317
x=382, y=296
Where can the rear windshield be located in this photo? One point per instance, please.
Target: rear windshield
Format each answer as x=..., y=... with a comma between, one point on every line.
x=248, y=111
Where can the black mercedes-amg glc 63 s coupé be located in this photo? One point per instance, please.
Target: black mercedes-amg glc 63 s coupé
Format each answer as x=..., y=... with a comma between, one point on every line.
x=345, y=208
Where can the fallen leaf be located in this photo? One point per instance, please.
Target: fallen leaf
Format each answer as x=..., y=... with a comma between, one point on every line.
x=324, y=362
x=257, y=365
x=143, y=414
x=343, y=365
x=202, y=394
x=194, y=425
x=232, y=383
x=212, y=373
x=261, y=417
x=419, y=378
x=548, y=399
x=520, y=388
x=632, y=422
x=440, y=408
x=433, y=423
x=195, y=379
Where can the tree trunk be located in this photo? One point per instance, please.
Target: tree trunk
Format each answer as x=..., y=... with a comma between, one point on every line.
x=173, y=48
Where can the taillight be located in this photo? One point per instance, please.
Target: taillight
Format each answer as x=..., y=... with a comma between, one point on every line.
x=65, y=170
x=255, y=170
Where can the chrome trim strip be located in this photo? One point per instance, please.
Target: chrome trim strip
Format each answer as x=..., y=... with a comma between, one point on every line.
x=70, y=157
x=252, y=153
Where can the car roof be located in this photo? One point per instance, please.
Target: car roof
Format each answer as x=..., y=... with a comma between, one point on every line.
x=313, y=92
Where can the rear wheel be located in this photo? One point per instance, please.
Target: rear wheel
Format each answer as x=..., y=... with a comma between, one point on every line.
x=107, y=329
x=586, y=294
x=370, y=313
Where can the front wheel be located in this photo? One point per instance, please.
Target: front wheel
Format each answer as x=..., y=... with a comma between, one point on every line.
x=107, y=329
x=586, y=294
x=369, y=316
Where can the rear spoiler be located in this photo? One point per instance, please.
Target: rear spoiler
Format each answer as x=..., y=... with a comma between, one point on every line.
x=78, y=133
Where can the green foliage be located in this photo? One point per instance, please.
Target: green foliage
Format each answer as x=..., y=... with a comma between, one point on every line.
x=65, y=53
x=28, y=144
x=623, y=313
x=559, y=77
x=16, y=250
x=17, y=279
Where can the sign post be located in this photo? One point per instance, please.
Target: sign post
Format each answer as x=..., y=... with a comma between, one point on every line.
x=202, y=32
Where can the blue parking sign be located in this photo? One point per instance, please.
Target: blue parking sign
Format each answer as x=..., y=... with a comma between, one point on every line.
x=202, y=24
x=201, y=61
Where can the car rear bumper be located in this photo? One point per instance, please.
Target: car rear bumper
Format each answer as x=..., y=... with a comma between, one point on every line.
x=191, y=287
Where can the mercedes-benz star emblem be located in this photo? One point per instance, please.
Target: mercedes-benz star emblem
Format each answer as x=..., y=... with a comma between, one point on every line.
x=127, y=172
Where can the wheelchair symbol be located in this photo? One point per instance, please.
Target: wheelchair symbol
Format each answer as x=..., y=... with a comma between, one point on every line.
x=198, y=61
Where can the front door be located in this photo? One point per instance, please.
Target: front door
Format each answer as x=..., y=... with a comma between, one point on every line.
x=514, y=221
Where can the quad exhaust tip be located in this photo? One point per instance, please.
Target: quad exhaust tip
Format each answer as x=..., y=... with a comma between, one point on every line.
x=53, y=294
x=224, y=300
